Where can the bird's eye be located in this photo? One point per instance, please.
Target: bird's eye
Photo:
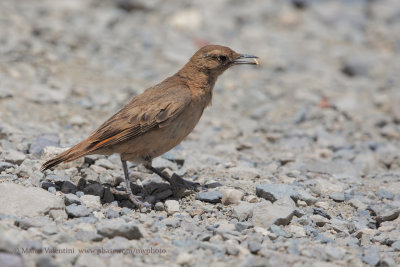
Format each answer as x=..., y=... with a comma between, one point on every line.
x=222, y=58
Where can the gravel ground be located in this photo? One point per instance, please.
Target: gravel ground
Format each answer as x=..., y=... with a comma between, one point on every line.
x=301, y=155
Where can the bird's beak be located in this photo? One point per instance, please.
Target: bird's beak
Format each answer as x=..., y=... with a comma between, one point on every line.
x=240, y=60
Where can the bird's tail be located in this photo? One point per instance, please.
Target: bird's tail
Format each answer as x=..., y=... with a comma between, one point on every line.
x=75, y=152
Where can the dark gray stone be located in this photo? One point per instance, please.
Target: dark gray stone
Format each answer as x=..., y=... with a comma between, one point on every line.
x=68, y=187
x=75, y=211
x=94, y=189
x=209, y=196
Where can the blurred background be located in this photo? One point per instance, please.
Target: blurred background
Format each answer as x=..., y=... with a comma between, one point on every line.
x=326, y=92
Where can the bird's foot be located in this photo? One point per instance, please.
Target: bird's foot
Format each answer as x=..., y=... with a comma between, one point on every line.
x=134, y=199
x=177, y=181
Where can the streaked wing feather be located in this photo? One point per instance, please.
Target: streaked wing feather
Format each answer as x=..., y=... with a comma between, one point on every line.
x=155, y=107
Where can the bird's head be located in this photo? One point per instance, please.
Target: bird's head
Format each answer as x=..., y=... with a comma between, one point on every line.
x=215, y=59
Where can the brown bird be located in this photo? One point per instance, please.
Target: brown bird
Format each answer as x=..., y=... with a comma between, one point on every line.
x=157, y=120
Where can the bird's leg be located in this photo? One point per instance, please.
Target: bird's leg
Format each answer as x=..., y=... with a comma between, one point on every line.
x=175, y=181
x=134, y=199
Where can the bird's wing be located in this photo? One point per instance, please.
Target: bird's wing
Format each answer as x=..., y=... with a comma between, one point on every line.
x=156, y=107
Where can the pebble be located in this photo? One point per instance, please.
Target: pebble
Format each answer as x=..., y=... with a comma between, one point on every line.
x=209, y=196
x=94, y=189
x=13, y=156
x=159, y=206
x=279, y=213
x=118, y=227
x=71, y=199
x=171, y=206
x=338, y=197
x=91, y=201
x=372, y=256
x=231, y=196
x=75, y=211
x=37, y=146
x=273, y=192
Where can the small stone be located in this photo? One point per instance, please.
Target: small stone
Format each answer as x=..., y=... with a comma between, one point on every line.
x=338, y=197
x=185, y=259
x=231, y=196
x=273, y=192
x=159, y=206
x=243, y=211
x=297, y=231
x=240, y=226
x=10, y=260
x=71, y=199
x=396, y=246
x=112, y=214
x=5, y=165
x=118, y=227
x=278, y=231
x=43, y=141
x=232, y=248
x=371, y=256
x=383, y=193
x=319, y=220
x=251, y=199
x=68, y=187
x=52, y=190
x=91, y=201
x=13, y=156
x=94, y=189
x=254, y=247
x=279, y=213
x=75, y=211
x=108, y=197
x=209, y=196
x=58, y=215
x=172, y=222
x=171, y=206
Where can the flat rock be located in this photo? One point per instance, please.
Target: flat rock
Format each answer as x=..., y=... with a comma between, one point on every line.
x=75, y=211
x=209, y=196
x=27, y=201
x=273, y=192
x=118, y=227
x=337, y=196
x=13, y=156
x=91, y=201
x=278, y=213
